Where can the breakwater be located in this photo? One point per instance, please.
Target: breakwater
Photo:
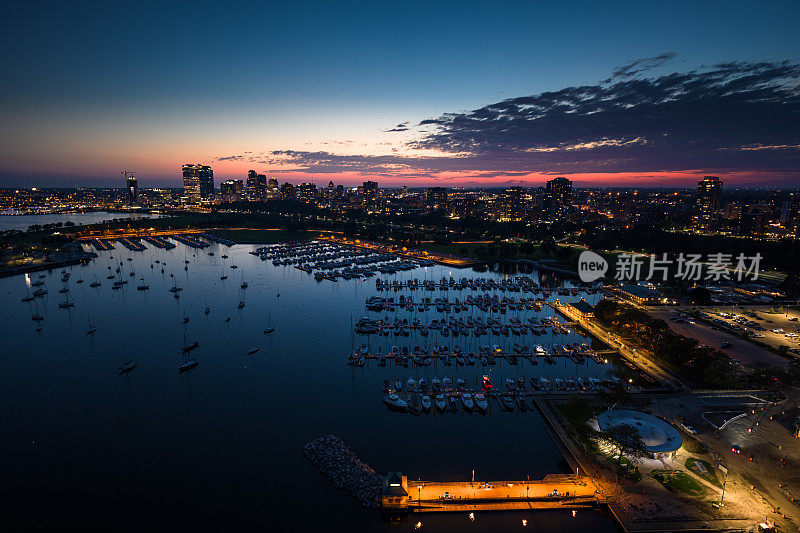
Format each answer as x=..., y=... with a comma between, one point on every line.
x=344, y=469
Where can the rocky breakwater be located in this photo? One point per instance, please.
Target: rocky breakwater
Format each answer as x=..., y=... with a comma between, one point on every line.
x=345, y=470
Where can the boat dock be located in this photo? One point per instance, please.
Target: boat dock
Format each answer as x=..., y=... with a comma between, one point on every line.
x=158, y=242
x=189, y=240
x=555, y=491
x=132, y=244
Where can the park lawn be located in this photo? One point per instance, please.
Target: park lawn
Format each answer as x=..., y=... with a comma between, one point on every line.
x=705, y=470
x=624, y=466
x=260, y=236
x=680, y=482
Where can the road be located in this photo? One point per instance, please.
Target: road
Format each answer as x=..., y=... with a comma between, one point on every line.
x=639, y=357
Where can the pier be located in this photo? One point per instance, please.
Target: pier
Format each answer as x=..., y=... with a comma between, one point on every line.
x=555, y=491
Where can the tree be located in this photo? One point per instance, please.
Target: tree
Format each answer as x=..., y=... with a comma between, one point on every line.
x=548, y=246
x=627, y=440
x=700, y=296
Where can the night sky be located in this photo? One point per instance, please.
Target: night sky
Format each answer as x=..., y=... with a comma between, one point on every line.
x=404, y=93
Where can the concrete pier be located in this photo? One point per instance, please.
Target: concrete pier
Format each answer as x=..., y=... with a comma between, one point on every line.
x=555, y=491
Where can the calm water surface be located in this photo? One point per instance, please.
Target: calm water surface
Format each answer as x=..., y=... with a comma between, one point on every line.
x=23, y=222
x=219, y=447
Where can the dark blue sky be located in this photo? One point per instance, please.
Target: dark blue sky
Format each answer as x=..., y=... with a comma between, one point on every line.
x=91, y=88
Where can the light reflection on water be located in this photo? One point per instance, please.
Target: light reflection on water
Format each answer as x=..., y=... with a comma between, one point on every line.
x=220, y=445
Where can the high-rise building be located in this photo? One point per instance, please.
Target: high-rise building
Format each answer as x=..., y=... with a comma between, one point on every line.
x=256, y=186
x=287, y=191
x=437, y=197
x=132, y=185
x=709, y=196
x=370, y=189
x=198, y=182
x=307, y=192
x=557, y=196
x=733, y=211
x=231, y=190
x=789, y=213
x=753, y=220
x=509, y=205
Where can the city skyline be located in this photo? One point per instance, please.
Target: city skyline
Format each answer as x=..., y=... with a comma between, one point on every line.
x=653, y=108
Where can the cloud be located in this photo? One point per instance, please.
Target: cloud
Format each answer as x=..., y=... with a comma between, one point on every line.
x=403, y=126
x=699, y=119
x=736, y=118
x=641, y=65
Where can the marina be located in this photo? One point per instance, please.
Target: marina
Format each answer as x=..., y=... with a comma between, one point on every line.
x=294, y=334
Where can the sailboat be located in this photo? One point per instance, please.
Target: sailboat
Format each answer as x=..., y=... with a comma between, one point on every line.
x=142, y=285
x=67, y=303
x=91, y=330
x=188, y=362
x=270, y=328
x=95, y=283
x=251, y=351
x=127, y=366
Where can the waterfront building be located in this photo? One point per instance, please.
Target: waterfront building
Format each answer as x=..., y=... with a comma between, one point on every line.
x=660, y=439
x=198, y=182
x=394, y=491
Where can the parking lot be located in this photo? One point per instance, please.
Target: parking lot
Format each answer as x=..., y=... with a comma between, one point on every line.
x=716, y=335
x=772, y=328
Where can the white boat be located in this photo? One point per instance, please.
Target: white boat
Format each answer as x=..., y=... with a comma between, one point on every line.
x=441, y=403
x=425, y=400
x=466, y=400
x=480, y=402
x=394, y=401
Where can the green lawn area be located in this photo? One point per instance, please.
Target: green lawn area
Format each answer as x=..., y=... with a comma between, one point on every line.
x=624, y=466
x=703, y=469
x=691, y=444
x=679, y=481
x=261, y=236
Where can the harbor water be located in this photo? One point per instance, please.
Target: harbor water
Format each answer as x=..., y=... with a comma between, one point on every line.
x=220, y=446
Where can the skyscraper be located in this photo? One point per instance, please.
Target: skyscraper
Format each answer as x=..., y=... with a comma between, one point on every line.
x=198, y=182
x=256, y=186
x=558, y=196
x=370, y=189
x=133, y=188
x=437, y=197
x=231, y=190
x=709, y=196
x=307, y=192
